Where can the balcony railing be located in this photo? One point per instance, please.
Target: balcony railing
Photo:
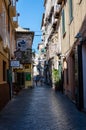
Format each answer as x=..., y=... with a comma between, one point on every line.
x=24, y=56
x=54, y=22
x=15, y=21
x=15, y=24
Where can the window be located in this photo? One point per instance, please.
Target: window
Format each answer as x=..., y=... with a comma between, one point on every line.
x=63, y=22
x=4, y=71
x=70, y=10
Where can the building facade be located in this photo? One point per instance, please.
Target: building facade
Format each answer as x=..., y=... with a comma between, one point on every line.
x=51, y=37
x=23, y=54
x=64, y=24
x=73, y=48
x=7, y=41
x=42, y=58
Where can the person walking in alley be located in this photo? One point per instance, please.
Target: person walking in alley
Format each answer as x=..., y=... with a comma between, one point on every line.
x=42, y=81
x=36, y=79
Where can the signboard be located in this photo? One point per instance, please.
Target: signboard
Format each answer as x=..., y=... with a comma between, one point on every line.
x=24, y=43
x=27, y=66
x=14, y=63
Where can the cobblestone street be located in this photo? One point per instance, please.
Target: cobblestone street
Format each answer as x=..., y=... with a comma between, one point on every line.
x=41, y=108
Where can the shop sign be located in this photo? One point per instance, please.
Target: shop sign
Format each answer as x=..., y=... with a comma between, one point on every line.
x=14, y=63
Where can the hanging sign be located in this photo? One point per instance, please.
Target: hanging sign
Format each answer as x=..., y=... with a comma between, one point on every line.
x=14, y=63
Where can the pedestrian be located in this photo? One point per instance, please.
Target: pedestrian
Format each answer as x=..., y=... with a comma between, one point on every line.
x=42, y=80
x=36, y=79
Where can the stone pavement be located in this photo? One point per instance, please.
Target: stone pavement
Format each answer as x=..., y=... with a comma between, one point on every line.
x=41, y=108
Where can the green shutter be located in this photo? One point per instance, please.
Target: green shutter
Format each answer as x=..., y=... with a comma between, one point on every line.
x=9, y=76
x=63, y=22
x=70, y=10
x=28, y=76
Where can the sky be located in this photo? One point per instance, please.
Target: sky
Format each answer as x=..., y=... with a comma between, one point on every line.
x=31, y=12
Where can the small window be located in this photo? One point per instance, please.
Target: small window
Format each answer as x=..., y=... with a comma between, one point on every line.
x=70, y=10
x=63, y=22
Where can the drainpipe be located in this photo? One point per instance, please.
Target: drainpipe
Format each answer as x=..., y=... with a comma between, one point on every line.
x=10, y=69
x=9, y=16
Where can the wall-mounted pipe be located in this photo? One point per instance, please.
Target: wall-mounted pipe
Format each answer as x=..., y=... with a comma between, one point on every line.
x=9, y=15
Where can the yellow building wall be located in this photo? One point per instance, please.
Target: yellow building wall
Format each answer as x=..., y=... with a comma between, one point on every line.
x=4, y=54
x=3, y=58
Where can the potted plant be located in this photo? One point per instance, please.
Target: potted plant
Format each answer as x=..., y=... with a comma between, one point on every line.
x=55, y=76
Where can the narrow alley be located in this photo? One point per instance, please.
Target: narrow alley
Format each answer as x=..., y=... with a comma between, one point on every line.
x=41, y=108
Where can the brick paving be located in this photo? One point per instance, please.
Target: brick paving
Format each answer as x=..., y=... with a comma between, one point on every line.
x=41, y=108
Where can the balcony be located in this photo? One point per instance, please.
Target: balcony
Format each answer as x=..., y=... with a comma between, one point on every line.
x=12, y=11
x=15, y=22
x=13, y=8
x=54, y=22
x=59, y=1
x=57, y=9
x=43, y=50
x=50, y=13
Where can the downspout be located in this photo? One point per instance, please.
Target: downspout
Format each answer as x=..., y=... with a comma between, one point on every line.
x=9, y=16
x=10, y=69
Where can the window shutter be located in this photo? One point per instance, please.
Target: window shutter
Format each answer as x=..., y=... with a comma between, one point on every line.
x=63, y=22
x=70, y=10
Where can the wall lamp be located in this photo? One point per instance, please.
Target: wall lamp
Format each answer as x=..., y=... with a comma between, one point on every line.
x=62, y=56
